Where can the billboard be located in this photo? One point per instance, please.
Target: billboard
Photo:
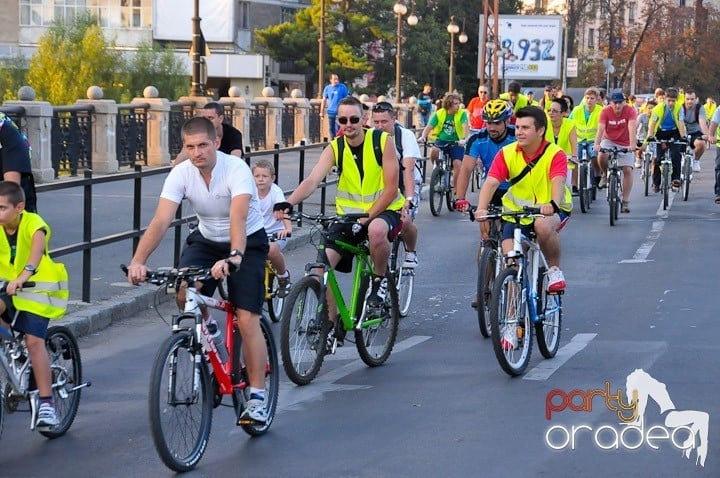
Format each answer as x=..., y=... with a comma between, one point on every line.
x=532, y=46
x=172, y=20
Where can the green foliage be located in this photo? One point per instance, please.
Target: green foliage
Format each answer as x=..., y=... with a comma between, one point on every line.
x=12, y=76
x=72, y=57
x=156, y=66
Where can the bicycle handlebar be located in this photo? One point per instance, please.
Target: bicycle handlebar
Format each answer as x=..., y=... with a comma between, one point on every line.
x=495, y=212
x=26, y=285
x=326, y=220
x=174, y=275
x=615, y=150
x=274, y=236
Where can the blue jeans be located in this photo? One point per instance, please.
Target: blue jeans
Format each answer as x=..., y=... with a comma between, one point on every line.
x=333, y=125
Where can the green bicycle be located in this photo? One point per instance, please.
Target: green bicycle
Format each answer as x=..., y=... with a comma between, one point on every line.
x=305, y=325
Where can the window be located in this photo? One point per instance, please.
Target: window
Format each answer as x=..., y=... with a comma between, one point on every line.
x=682, y=3
x=591, y=38
x=110, y=13
x=244, y=16
x=287, y=15
x=632, y=12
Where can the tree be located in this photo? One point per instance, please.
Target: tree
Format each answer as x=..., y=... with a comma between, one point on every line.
x=72, y=57
x=156, y=66
x=12, y=76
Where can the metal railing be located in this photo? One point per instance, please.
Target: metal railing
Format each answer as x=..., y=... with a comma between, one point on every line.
x=131, y=134
x=180, y=111
x=71, y=143
x=288, y=124
x=258, y=125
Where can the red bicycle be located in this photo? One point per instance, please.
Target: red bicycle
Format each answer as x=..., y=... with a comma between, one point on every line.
x=189, y=376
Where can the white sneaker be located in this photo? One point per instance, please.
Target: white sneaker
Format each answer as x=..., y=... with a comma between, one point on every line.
x=46, y=417
x=556, y=280
x=255, y=411
x=411, y=261
x=696, y=165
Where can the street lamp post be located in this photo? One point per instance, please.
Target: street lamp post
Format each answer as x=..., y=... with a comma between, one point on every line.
x=400, y=9
x=506, y=54
x=453, y=29
x=321, y=47
x=196, y=86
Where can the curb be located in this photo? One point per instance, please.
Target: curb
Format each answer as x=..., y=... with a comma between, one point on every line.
x=93, y=318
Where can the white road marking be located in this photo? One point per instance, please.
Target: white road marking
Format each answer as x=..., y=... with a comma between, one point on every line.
x=547, y=367
x=292, y=397
x=644, y=250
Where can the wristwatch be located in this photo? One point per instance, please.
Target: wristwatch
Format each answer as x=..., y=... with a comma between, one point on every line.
x=30, y=268
x=236, y=252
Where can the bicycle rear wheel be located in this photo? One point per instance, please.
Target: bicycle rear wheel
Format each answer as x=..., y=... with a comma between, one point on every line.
x=302, y=335
x=510, y=323
x=274, y=302
x=613, y=198
x=687, y=176
x=487, y=263
x=180, y=409
x=549, y=308
x=66, y=370
x=436, y=191
x=272, y=383
x=376, y=337
x=584, y=195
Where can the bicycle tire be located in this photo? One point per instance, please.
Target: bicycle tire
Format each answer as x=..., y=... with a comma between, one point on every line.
x=449, y=191
x=2, y=410
x=687, y=173
x=508, y=293
x=274, y=302
x=487, y=264
x=666, y=185
x=272, y=383
x=612, y=197
x=436, y=192
x=302, y=335
x=405, y=277
x=66, y=369
x=647, y=175
x=584, y=197
x=196, y=408
x=549, y=328
x=373, y=352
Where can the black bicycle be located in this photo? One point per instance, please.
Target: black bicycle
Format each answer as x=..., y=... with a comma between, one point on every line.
x=614, y=181
x=441, y=180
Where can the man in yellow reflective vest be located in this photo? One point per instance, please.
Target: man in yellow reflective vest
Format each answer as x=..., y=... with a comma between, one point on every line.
x=368, y=175
x=542, y=186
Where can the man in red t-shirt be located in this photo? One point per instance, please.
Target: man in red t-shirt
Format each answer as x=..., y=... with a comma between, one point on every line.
x=475, y=108
x=617, y=125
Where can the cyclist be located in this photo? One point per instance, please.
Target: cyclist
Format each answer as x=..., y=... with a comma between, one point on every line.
x=616, y=127
x=221, y=191
x=696, y=125
x=448, y=125
x=536, y=170
x=270, y=194
x=667, y=121
x=561, y=131
x=24, y=239
x=367, y=183
x=514, y=96
x=643, y=121
x=586, y=117
x=483, y=146
x=475, y=108
x=409, y=177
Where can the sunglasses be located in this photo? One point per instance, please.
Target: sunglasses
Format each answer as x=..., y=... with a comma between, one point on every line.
x=352, y=119
x=381, y=107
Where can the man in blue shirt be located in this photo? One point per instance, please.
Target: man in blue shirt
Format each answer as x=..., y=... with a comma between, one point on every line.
x=332, y=94
x=15, y=162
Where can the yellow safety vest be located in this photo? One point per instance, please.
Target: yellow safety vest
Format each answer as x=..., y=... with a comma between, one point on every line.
x=586, y=130
x=441, y=114
x=535, y=188
x=658, y=114
x=566, y=126
x=50, y=295
x=521, y=102
x=357, y=195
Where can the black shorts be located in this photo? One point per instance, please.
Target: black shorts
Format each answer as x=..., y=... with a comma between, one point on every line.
x=247, y=284
x=26, y=322
x=343, y=232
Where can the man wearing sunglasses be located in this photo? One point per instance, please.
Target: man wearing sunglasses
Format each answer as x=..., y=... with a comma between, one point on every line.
x=410, y=179
x=367, y=183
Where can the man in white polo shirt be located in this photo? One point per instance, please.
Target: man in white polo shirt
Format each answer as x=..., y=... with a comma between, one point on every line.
x=221, y=190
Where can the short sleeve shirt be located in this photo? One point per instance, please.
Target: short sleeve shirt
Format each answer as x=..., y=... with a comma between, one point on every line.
x=14, y=148
x=231, y=139
x=211, y=203
x=616, y=127
x=334, y=93
x=274, y=196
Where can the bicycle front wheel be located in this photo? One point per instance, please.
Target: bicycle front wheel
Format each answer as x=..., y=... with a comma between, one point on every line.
x=376, y=337
x=302, y=335
x=487, y=265
x=274, y=302
x=271, y=385
x=584, y=195
x=666, y=185
x=180, y=403
x=449, y=190
x=647, y=173
x=66, y=370
x=549, y=308
x=436, y=191
x=613, y=198
x=510, y=323
x=687, y=176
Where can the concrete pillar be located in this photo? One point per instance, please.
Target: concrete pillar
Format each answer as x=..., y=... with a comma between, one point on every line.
x=158, y=122
x=241, y=112
x=104, y=128
x=404, y=114
x=302, y=116
x=38, y=117
x=273, y=117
